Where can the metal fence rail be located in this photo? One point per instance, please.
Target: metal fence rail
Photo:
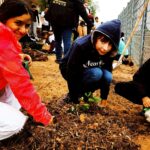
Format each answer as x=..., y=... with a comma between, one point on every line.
x=139, y=47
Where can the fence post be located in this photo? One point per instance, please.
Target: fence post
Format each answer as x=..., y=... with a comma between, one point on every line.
x=143, y=36
x=132, y=22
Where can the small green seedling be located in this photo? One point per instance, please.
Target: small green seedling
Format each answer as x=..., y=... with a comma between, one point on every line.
x=91, y=98
x=85, y=107
x=146, y=109
x=94, y=99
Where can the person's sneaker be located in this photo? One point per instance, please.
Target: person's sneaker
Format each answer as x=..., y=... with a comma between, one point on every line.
x=68, y=100
x=147, y=114
x=103, y=103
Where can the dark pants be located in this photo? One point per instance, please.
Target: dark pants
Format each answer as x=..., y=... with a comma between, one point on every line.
x=45, y=28
x=93, y=79
x=62, y=35
x=97, y=78
x=130, y=90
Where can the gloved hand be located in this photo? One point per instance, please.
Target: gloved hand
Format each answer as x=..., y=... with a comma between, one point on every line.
x=146, y=101
x=147, y=114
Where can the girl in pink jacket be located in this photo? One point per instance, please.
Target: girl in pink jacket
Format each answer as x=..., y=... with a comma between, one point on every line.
x=16, y=90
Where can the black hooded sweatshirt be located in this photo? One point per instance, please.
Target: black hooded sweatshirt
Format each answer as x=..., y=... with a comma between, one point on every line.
x=142, y=76
x=65, y=13
x=84, y=55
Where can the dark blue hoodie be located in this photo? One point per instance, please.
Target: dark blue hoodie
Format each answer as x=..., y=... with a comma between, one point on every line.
x=83, y=55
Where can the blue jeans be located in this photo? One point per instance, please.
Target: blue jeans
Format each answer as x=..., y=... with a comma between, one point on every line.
x=97, y=78
x=62, y=35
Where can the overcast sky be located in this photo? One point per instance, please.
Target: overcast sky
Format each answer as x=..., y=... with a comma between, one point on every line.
x=109, y=9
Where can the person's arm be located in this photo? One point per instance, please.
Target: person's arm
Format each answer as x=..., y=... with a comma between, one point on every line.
x=82, y=12
x=37, y=15
x=17, y=77
x=74, y=71
x=47, y=14
x=105, y=89
x=143, y=73
x=108, y=61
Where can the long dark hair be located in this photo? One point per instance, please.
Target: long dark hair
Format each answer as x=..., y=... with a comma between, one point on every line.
x=13, y=8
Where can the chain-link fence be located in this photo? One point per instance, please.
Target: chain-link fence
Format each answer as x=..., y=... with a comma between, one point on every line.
x=139, y=47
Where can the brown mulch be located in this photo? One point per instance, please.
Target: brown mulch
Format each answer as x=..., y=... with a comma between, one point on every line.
x=116, y=127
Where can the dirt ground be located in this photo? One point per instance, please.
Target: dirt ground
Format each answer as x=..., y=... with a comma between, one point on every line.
x=119, y=126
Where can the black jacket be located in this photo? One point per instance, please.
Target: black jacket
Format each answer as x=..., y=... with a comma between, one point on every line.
x=83, y=55
x=35, y=16
x=142, y=76
x=65, y=13
x=137, y=88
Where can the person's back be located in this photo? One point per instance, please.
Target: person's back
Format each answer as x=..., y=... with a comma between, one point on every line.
x=138, y=89
x=63, y=16
x=121, y=48
x=143, y=75
x=63, y=10
x=66, y=10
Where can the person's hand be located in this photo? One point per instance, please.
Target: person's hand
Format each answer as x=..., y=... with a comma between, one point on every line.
x=26, y=57
x=146, y=101
x=51, y=121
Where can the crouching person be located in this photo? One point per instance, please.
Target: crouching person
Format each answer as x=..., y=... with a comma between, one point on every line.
x=16, y=90
x=138, y=90
x=88, y=65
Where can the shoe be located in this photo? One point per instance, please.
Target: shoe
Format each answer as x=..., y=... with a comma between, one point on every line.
x=68, y=100
x=103, y=103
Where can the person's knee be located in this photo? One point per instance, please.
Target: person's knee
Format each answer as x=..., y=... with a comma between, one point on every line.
x=17, y=126
x=12, y=128
x=96, y=74
x=108, y=76
x=11, y=121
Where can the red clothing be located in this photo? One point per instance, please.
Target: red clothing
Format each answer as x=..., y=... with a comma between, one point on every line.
x=13, y=73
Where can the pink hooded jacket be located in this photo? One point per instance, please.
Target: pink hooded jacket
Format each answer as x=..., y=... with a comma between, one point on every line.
x=13, y=73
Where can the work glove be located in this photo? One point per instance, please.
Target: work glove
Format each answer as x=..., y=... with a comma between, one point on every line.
x=147, y=114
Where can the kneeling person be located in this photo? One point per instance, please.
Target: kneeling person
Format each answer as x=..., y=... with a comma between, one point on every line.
x=88, y=65
x=138, y=90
